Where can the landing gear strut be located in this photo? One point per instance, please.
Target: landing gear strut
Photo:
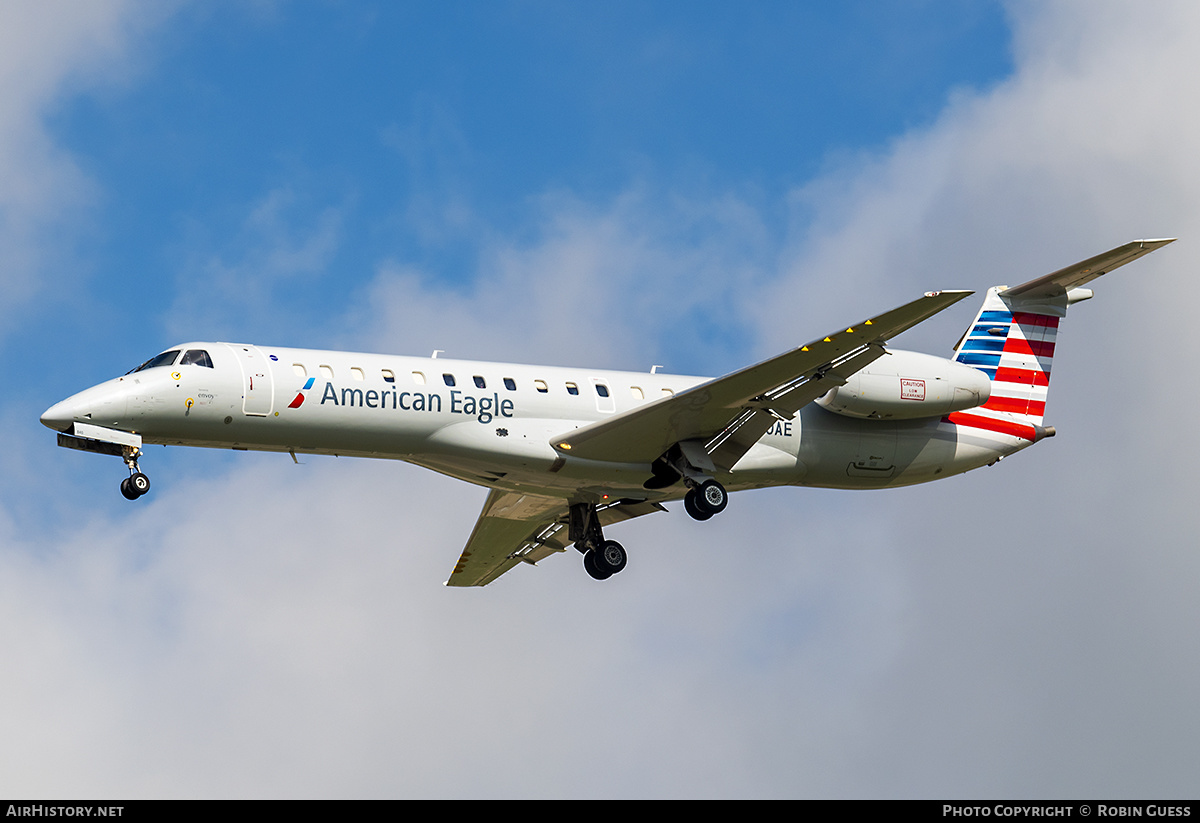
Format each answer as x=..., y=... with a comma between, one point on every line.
x=136, y=484
x=601, y=558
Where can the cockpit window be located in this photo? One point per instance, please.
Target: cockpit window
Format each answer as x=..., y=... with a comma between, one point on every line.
x=196, y=357
x=164, y=359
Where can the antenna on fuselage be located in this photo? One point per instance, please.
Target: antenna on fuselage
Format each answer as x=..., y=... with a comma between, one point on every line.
x=436, y=352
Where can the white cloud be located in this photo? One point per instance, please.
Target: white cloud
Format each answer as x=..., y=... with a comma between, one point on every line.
x=625, y=284
x=48, y=49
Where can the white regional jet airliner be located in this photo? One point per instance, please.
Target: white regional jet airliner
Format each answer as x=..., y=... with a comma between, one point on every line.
x=567, y=452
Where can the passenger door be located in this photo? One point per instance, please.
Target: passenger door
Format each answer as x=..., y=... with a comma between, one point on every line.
x=258, y=394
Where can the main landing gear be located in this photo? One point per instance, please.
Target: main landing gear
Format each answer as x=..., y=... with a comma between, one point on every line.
x=601, y=558
x=689, y=462
x=136, y=484
x=606, y=561
x=604, y=558
x=706, y=499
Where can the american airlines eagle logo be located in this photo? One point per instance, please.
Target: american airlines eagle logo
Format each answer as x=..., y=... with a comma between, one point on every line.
x=298, y=400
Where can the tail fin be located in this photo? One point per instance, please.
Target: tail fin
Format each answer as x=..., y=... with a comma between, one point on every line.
x=1012, y=341
x=1014, y=347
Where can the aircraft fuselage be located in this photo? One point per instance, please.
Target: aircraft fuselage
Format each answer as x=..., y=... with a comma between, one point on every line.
x=488, y=423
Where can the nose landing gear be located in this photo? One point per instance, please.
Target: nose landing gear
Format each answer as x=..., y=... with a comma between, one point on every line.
x=136, y=484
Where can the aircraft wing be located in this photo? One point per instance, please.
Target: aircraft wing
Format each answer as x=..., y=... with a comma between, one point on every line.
x=524, y=528
x=730, y=414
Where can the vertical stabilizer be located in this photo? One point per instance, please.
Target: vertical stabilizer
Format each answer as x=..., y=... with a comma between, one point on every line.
x=1012, y=344
x=1013, y=337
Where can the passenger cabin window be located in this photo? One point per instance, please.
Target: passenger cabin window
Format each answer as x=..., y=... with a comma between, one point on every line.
x=667, y=392
x=448, y=378
x=480, y=383
x=419, y=378
x=602, y=390
x=389, y=376
x=299, y=370
x=541, y=386
x=572, y=388
x=196, y=357
x=357, y=373
x=164, y=359
x=636, y=391
x=510, y=384
x=326, y=372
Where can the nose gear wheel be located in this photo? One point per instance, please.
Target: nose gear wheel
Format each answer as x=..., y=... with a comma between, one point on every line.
x=136, y=484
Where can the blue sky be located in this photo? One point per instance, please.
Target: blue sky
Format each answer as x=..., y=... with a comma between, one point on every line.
x=353, y=117
x=695, y=185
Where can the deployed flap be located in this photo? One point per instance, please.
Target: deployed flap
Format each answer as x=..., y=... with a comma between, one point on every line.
x=1082, y=273
x=524, y=528
x=509, y=523
x=731, y=413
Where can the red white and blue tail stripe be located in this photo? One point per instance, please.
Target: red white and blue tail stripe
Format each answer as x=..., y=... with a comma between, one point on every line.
x=1015, y=348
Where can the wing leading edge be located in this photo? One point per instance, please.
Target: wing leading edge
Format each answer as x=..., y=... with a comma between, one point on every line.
x=731, y=413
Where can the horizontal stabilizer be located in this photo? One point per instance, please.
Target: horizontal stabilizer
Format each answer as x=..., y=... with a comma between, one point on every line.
x=1082, y=273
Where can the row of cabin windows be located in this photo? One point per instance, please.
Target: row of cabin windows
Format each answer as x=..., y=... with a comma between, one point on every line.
x=199, y=357
x=510, y=384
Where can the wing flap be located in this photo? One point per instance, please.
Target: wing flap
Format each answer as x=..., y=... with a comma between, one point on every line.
x=726, y=412
x=509, y=522
x=524, y=528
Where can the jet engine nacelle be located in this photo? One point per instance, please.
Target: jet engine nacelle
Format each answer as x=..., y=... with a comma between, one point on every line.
x=903, y=385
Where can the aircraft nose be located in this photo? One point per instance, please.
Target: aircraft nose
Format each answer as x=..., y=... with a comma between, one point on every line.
x=103, y=405
x=59, y=417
